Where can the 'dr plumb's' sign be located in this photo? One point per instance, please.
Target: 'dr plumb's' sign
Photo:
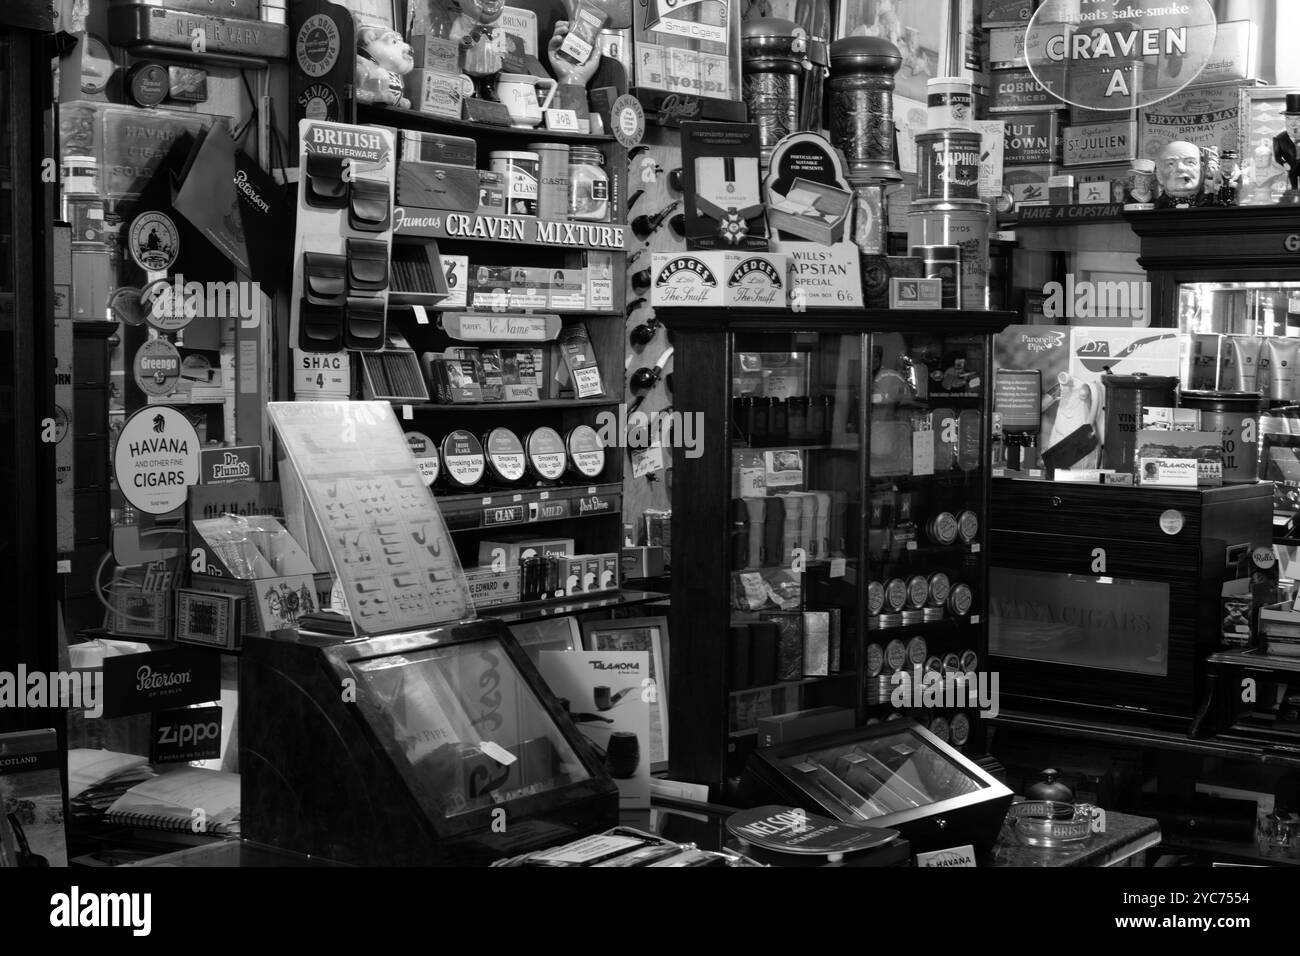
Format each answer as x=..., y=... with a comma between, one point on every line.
x=1101, y=55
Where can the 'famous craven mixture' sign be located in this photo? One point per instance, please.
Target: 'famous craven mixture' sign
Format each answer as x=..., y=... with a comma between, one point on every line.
x=1119, y=54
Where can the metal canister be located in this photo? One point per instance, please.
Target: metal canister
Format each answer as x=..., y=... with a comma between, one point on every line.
x=1126, y=396
x=862, y=106
x=773, y=56
x=552, y=180
x=1235, y=416
x=958, y=222
x=948, y=164
x=943, y=263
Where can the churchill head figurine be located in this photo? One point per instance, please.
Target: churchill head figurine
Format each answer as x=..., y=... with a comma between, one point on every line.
x=1286, y=147
x=1179, y=170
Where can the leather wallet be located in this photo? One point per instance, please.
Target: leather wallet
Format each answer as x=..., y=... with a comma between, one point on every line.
x=369, y=207
x=365, y=324
x=320, y=327
x=324, y=182
x=324, y=278
x=367, y=265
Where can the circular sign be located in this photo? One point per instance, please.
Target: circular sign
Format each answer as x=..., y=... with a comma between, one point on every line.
x=1119, y=57
x=124, y=306
x=148, y=83
x=96, y=65
x=154, y=241
x=164, y=307
x=156, y=459
x=1171, y=521
x=157, y=367
x=426, y=455
x=628, y=119
x=317, y=46
x=318, y=102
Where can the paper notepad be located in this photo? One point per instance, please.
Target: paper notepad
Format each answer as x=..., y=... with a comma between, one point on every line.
x=173, y=800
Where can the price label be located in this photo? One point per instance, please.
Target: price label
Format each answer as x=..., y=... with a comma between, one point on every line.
x=421, y=316
x=562, y=121
x=839, y=567
x=923, y=452
x=510, y=514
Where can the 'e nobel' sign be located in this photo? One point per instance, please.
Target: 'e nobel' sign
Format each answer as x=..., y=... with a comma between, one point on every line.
x=1109, y=55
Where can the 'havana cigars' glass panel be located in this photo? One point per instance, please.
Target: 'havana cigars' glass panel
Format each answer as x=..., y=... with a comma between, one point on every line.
x=469, y=725
x=1112, y=624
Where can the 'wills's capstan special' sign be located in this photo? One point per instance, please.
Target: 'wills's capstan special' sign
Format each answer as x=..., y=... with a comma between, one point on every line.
x=1117, y=56
x=158, y=680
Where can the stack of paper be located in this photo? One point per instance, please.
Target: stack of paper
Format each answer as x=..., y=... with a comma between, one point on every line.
x=97, y=778
x=187, y=799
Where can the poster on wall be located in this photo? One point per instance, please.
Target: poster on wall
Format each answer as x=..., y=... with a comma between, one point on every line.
x=916, y=27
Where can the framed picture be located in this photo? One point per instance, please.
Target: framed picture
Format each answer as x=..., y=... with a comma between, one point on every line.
x=1259, y=119
x=916, y=27
x=640, y=634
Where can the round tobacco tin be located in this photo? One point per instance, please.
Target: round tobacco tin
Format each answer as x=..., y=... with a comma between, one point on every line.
x=918, y=591
x=916, y=651
x=960, y=600
x=505, y=455
x=933, y=664
x=157, y=367
x=941, y=729
x=586, y=451
x=96, y=65
x=148, y=83
x=968, y=526
x=891, y=620
x=124, y=305
x=951, y=663
x=939, y=586
x=426, y=456
x=462, y=457
x=913, y=617
x=960, y=729
x=875, y=660
x=546, y=454
x=943, y=528
x=896, y=594
x=875, y=597
x=969, y=661
x=895, y=655
x=931, y=614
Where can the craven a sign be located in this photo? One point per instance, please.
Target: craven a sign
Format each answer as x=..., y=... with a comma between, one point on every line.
x=1105, y=55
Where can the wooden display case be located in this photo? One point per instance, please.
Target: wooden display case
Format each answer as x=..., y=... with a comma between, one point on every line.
x=884, y=482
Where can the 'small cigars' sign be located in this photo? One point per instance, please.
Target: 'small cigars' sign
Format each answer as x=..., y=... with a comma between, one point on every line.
x=461, y=225
x=1104, y=55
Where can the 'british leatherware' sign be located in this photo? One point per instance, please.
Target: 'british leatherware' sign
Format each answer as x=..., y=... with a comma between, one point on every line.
x=1104, y=55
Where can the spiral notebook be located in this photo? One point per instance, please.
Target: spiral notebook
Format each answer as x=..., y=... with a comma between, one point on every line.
x=191, y=799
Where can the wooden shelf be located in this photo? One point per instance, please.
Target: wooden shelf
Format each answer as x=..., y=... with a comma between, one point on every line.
x=415, y=120
x=503, y=509
x=542, y=404
x=561, y=607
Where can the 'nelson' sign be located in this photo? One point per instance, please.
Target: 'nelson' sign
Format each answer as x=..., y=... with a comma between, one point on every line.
x=1119, y=54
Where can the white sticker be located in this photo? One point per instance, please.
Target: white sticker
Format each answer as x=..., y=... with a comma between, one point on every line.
x=63, y=567
x=408, y=413
x=497, y=752
x=421, y=316
x=1171, y=522
x=923, y=452
x=565, y=121
x=839, y=567
x=954, y=856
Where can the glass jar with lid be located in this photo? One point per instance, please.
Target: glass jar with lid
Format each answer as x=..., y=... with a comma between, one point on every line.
x=589, y=184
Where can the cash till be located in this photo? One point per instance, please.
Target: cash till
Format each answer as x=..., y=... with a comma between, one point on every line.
x=434, y=747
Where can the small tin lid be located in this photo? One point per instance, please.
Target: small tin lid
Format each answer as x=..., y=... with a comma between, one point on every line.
x=586, y=451
x=939, y=586
x=933, y=664
x=505, y=455
x=960, y=600
x=148, y=83
x=875, y=597
x=859, y=54
x=896, y=594
x=1223, y=401
x=462, y=458
x=895, y=655
x=918, y=589
x=772, y=35
x=960, y=727
x=426, y=455
x=943, y=528
x=917, y=650
x=941, y=729
x=969, y=661
x=546, y=454
x=968, y=526
x=951, y=663
x=875, y=660
x=546, y=147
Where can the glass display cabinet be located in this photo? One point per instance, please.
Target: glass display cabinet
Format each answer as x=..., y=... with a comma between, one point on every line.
x=832, y=524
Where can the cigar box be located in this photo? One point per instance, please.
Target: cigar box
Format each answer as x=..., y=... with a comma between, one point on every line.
x=1032, y=138
x=810, y=210
x=437, y=186
x=427, y=147
x=441, y=94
